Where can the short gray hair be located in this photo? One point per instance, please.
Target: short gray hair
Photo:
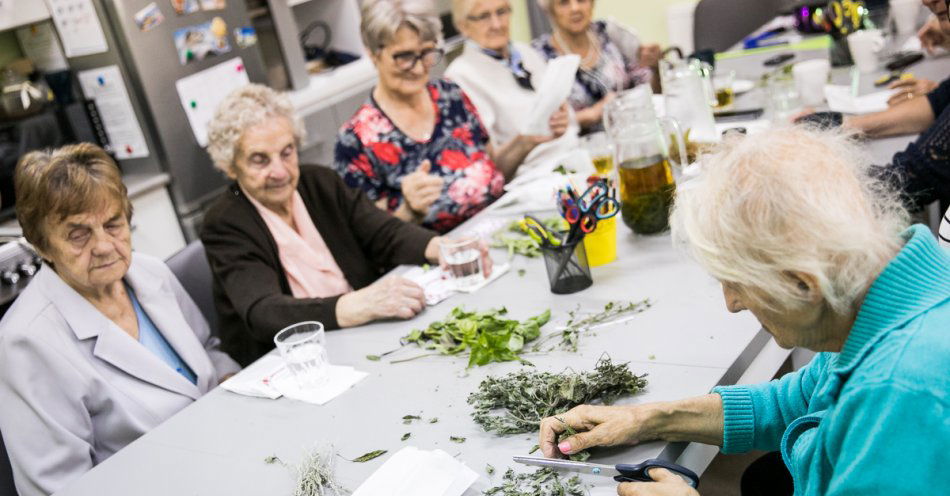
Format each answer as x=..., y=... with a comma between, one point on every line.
x=244, y=108
x=460, y=10
x=790, y=199
x=382, y=18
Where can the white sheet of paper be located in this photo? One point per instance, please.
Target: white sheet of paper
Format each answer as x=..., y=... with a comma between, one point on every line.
x=40, y=45
x=253, y=380
x=106, y=87
x=840, y=99
x=200, y=93
x=554, y=89
x=78, y=27
x=341, y=379
x=414, y=472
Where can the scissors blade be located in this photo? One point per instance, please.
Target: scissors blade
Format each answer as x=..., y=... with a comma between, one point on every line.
x=569, y=466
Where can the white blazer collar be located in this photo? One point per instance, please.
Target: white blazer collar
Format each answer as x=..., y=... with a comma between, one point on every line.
x=116, y=347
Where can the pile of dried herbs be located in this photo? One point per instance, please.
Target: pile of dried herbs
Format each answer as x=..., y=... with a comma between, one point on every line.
x=517, y=402
x=578, y=323
x=514, y=238
x=315, y=474
x=486, y=336
x=543, y=482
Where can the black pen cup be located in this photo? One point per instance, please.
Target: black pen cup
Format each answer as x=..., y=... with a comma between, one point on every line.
x=567, y=266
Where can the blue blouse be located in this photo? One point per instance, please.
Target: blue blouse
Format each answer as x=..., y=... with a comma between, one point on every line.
x=152, y=339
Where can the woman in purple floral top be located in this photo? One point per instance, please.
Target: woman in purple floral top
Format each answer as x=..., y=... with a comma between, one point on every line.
x=417, y=148
x=612, y=57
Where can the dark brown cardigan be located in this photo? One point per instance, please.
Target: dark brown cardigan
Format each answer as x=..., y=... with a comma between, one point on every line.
x=251, y=292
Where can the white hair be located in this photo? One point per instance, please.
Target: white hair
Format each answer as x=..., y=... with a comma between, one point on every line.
x=790, y=199
x=460, y=11
x=382, y=18
x=244, y=108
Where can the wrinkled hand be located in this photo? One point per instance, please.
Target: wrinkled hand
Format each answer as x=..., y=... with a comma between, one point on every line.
x=391, y=297
x=649, y=55
x=595, y=426
x=909, y=88
x=421, y=189
x=559, y=121
x=434, y=254
x=665, y=483
x=932, y=37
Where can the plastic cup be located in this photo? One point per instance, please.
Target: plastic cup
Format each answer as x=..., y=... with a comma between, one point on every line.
x=905, y=14
x=463, y=261
x=601, y=244
x=864, y=47
x=810, y=79
x=303, y=348
x=783, y=101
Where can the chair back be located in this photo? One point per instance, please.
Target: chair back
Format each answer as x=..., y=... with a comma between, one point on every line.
x=720, y=24
x=190, y=266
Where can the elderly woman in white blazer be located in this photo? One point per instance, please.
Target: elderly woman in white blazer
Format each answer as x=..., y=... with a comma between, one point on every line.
x=501, y=77
x=104, y=344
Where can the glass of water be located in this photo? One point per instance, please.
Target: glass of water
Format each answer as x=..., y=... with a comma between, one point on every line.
x=783, y=99
x=463, y=260
x=303, y=347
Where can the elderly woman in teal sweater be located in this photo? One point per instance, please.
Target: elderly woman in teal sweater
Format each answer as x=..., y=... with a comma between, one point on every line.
x=800, y=234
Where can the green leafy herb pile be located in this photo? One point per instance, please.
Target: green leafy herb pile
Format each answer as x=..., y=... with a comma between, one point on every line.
x=578, y=324
x=486, y=336
x=542, y=482
x=516, y=240
x=517, y=402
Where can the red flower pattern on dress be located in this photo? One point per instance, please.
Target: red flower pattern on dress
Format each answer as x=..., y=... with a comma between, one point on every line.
x=463, y=134
x=454, y=159
x=369, y=125
x=387, y=152
x=362, y=165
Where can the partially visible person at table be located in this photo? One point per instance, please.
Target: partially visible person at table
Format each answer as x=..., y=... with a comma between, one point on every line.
x=417, y=147
x=613, y=58
x=501, y=77
x=820, y=252
x=921, y=170
x=104, y=344
x=289, y=243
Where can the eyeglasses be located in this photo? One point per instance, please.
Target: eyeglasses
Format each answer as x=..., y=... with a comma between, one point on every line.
x=406, y=61
x=484, y=17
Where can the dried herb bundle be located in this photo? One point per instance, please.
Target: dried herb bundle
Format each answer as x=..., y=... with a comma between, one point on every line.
x=315, y=474
x=578, y=324
x=542, y=482
x=516, y=240
x=517, y=402
x=486, y=336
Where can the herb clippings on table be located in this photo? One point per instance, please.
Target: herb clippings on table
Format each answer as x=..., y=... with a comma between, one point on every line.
x=516, y=240
x=316, y=474
x=578, y=324
x=369, y=456
x=517, y=402
x=542, y=482
x=486, y=336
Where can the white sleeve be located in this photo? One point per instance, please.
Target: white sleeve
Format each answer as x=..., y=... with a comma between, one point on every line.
x=944, y=233
x=46, y=426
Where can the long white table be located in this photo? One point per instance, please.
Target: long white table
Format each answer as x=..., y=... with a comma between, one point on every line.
x=687, y=343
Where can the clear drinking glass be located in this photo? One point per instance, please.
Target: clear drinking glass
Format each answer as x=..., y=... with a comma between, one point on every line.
x=722, y=85
x=783, y=100
x=303, y=347
x=463, y=260
x=601, y=152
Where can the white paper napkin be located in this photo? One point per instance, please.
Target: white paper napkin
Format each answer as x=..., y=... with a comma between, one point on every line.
x=340, y=379
x=553, y=90
x=438, y=285
x=415, y=472
x=840, y=99
x=253, y=380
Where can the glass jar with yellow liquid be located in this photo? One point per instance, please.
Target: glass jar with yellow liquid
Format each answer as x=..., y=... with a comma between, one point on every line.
x=645, y=171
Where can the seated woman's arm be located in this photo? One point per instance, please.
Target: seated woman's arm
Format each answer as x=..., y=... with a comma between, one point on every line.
x=910, y=117
x=46, y=428
x=738, y=418
x=509, y=156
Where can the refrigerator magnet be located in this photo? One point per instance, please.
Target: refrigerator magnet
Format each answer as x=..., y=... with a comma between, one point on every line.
x=202, y=40
x=183, y=7
x=213, y=4
x=149, y=17
x=245, y=36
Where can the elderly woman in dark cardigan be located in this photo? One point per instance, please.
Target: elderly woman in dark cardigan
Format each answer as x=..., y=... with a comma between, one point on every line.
x=289, y=243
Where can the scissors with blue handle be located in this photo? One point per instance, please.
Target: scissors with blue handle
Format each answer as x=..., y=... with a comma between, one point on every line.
x=622, y=472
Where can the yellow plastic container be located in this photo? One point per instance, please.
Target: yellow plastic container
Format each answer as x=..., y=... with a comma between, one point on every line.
x=601, y=245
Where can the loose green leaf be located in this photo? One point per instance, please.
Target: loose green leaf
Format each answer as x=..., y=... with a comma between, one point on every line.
x=561, y=169
x=542, y=482
x=489, y=469
x=374, y=358
x=433, y=420
x=457, y=439
x=406, y=436
x=517, y=402
x=522, y=272
x=534, y=448
x=486, y=336
x=569, y=431
x=271, y=459
x=369, y=456
x=407, y=419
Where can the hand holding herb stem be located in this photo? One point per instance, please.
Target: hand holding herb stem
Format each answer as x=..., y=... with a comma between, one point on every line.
x=697, y=419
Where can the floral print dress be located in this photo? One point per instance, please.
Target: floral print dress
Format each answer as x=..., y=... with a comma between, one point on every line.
x=374, y=155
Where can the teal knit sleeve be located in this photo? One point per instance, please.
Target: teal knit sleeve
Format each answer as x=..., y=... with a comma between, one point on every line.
x=889, y=439
x=755, y=416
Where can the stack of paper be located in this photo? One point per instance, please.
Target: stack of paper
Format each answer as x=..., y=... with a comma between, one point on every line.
x=270, y=378
x=415, y=472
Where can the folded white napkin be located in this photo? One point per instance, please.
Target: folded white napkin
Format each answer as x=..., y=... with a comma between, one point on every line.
x=415, y=472
x=553, y=90
x=840, y=99
x=270, y=378
x=438, y=285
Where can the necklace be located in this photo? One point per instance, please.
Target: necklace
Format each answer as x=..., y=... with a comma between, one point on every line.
x=593, y=53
